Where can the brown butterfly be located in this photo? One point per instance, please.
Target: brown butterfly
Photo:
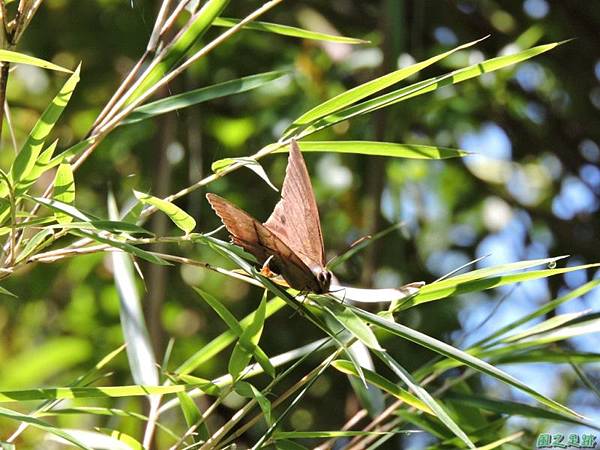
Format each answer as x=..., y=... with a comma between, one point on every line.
x=290, y=241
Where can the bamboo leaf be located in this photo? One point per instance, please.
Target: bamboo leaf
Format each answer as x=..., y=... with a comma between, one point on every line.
x=219, y=343
x=287, y=30
x=452, y=286
x=249, y=391
x=42, y=164
x=63, y=393
x=37, y=423
x=375, y=148
x=182, y=43
x=425, y=397
x=193, y=417
x=201, y=95
x=142, y=362
x=248, y=342
x=250, y=163
x=21, y=58
x=353, y=95
x=239, y=331
x=177, y=215
x=419, y=88
x=350, y=322
x=383, y=383
x=27, y=157
x=459, y=355
x=64, y=190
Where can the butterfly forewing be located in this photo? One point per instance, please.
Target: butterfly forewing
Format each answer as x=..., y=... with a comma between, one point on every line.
x=254, y=237
x=295, y=219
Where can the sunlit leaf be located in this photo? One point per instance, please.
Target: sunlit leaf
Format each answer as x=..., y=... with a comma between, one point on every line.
x=286, y=30
x=252, y=164
x=383, y=383
x=353, y=95
x=179, y=217
x=21, y=58
x=181, y=44
x=28, y=155
x=64, y=190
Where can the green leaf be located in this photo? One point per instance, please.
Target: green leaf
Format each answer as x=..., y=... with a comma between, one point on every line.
x=545, y=308
x=459, y=355
x=248, y=341
x=70, y=152
x=546, y=325
x=182, y=43
x=286, y=30
x=34, y=242
x=374, y=148
x=332, y=434
x=219, y=343
x=239, y=331
x=201, y=95
x=4, y=291
x=250, y=163
x=350, y=322
x=21, y=58
x=425, y=397
x=58, y=206
x=249, y=391
x=179, y=217
x=64, y=190
x=27, y=157
x=353, y=95
x=127, y=248
x=118, y=438
x=419, y=88
x=62, y=393
x=193, y=416
x=37, y=423
x=383, y=383
x=516, y=409
x=42, y=164
x=454, y=286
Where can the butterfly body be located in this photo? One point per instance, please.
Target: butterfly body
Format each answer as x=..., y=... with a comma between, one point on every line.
x=290, y=240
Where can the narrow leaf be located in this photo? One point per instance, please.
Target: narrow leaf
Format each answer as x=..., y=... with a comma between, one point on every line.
x=21, y=58
x=64, y=190
x=419, y=88
x=371, y=87
x=25, y=160
x=201, y=95
x=286, y=30
x=181, y=44
x=179, y=217
x=383, y=383
x=374, y=148
x=142, y=362
x=250, y=163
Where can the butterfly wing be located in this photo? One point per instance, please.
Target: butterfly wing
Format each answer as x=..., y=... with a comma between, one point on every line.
x=254, y=237
x=295, y=219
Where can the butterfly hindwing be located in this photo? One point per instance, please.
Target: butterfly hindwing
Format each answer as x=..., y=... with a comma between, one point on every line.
x=256, y=238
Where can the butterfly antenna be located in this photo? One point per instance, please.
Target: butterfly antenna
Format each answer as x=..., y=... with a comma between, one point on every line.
x=361, y=243
x=458, y=269
x=345, y=254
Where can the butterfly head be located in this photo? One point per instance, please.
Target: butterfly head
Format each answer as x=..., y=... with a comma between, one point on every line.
x=323, y=279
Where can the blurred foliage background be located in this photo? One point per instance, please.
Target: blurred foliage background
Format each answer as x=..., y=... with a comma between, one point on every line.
x=530, y=191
